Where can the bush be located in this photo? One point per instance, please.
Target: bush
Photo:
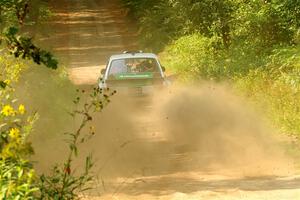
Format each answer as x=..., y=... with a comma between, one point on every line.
x=16, y=173
x=194, y=57
x=18, y=179
x=277, y=88
x=158, y=21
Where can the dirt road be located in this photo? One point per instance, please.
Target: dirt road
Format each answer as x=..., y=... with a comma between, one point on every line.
x=85, y=33
x=199, y=146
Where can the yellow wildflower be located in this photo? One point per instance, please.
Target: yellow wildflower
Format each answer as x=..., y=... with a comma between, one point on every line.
x=22, y=109
x=7, y=111
x=7, y=82
x=14, y=133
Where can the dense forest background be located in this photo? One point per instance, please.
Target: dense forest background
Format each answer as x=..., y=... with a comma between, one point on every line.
x=253, y=44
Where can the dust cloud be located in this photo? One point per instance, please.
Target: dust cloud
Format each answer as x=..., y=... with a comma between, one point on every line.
x=223, y=131
x=180, y=129
x=49, y=94
x=205, y=128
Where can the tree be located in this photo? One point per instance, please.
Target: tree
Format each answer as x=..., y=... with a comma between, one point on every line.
x=13, y=14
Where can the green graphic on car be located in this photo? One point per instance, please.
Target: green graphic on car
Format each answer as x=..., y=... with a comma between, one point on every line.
x=144, y=75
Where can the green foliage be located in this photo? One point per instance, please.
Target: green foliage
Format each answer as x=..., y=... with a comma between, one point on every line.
x=16, y=180
x=17, y=176
x=10, y=69
x=158, y=22
x=23, y=47
x=193, y=57
x=277, y=87
x=262, y=22
x=161, y=21
x=13, y=15
x=13, y=11
x=14, y=124
x=22, y=12
x=196, y=57
x=265, y=22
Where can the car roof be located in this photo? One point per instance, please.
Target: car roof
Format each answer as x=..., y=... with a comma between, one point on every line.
x=133, y=55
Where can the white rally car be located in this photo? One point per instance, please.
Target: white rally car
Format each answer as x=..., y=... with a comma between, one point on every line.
x=135, y=73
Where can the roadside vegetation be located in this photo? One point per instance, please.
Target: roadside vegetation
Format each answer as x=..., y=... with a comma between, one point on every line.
x=254, y=45
x=26, y=73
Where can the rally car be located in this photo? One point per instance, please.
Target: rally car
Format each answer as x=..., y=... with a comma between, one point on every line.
x=133, y=73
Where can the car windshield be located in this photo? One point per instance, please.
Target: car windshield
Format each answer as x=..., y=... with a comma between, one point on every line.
x=134, y=66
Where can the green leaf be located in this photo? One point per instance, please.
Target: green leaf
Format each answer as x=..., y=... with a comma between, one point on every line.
x=11, y=31
x=3, y=85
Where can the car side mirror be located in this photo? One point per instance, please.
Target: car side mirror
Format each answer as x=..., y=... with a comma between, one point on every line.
x=163, y=68
x=103, y=71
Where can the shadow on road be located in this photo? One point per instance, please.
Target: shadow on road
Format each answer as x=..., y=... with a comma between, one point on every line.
x=169, y=185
